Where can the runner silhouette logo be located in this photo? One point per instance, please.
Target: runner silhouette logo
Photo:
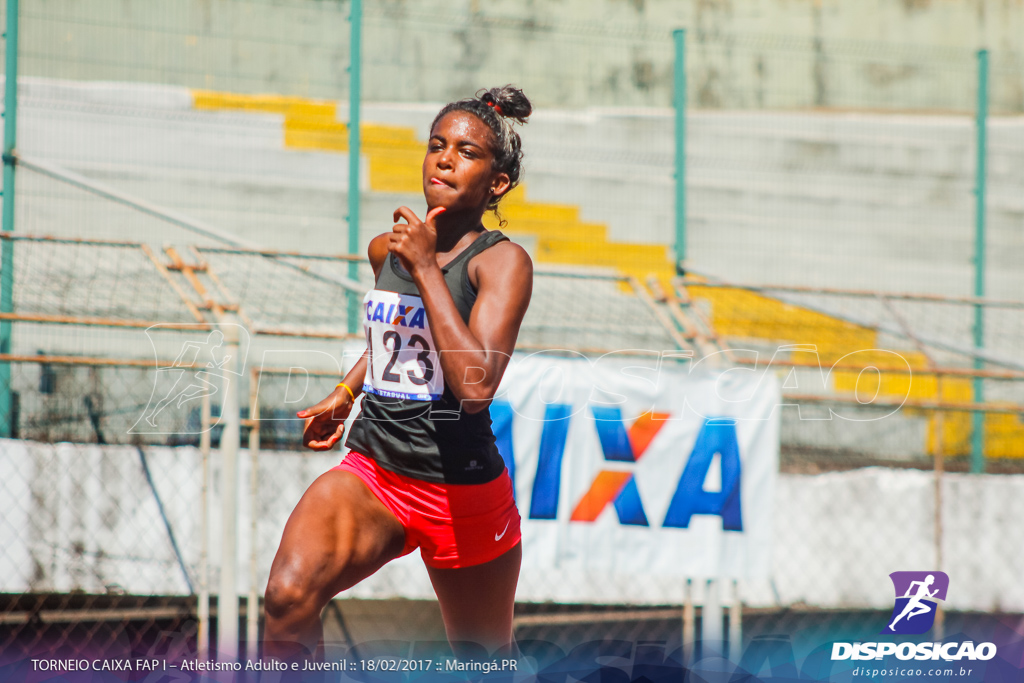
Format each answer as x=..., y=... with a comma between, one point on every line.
x=917, y=594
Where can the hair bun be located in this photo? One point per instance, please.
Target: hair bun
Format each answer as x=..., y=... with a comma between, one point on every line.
x=508, y=101
x=499, y=109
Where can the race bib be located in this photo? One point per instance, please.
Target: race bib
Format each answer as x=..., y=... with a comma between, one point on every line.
x=403, y=360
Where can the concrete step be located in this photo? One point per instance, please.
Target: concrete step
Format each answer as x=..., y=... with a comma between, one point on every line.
x=771, y=196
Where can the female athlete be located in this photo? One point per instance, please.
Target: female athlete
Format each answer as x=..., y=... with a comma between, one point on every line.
x=423, y=470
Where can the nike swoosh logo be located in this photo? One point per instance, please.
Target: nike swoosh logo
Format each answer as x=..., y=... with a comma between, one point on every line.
x=497, y=537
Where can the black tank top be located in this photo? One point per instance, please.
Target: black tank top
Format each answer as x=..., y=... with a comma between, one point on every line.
x=410, y=422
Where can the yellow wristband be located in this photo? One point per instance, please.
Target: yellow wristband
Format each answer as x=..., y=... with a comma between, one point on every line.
x=342, y=384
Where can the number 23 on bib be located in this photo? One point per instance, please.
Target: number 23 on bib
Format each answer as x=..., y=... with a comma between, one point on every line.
x=403, y=358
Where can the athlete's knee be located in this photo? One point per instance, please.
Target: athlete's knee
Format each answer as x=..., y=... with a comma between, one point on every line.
x=290, y=595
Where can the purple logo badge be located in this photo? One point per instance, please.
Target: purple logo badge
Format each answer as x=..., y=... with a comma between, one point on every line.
x=916, y=596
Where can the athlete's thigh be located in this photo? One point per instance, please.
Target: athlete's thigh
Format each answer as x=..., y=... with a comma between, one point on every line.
x=338, y=534
x=477, y=602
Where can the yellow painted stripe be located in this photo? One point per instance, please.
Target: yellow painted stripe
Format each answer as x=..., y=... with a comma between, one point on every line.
x=605, y=254
x=298, y=107
x=1004, y=436
x=579, y=232
x=540, y=211
x=315, y=135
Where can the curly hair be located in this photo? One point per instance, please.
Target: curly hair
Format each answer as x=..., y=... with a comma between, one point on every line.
x=500, y=108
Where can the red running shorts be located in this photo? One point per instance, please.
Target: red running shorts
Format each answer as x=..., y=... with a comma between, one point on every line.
x=453, y=525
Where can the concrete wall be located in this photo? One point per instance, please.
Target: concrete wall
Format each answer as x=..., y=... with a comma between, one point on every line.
x=743, y=53
x=85, y=518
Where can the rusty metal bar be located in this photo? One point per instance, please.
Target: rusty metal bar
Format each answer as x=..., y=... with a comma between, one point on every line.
x=594, y=617
x=96, y=321
x=170, y=280
x=233, y=301
x=289, y=254
x=287, y=371
x=89, y=360
x=657, y=291
x=707, y=343
x=581, y=275
x=864, y=293
x=70, y=616
x=896, y=370
x=188, y=271
x=949, y=406
x=967, y=351
x=642, y=294
x=585, y=350
x=198, y=267
x=201, y=263
x=309, y=334
x=70, y=240
x=58, y=616
x=690, y=311
x=224, y=291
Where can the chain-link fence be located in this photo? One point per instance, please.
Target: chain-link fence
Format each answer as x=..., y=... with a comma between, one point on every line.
x=876, y=365
x=78, y=540
x=189, y=165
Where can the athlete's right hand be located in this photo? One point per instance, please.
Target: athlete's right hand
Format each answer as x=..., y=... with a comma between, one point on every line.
x=325, y=422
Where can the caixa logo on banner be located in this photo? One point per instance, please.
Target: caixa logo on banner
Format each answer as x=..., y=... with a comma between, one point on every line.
x=617, y=487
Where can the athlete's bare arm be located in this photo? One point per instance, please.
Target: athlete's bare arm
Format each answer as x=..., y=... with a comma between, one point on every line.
x=325, y=422
x=473, y=356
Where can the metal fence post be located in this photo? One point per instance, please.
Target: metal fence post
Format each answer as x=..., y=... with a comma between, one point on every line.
x=939, y=474
x=689, y=623
x=203, y=608
x=679, y=103
x=252, y=605
x=7, y=248
x=354, y=97
x=981, y=123
x=735, y=623
x=227, y=599
x=712, y=619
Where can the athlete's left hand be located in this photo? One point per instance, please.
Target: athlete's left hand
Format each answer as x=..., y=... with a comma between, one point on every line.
x=415, y=242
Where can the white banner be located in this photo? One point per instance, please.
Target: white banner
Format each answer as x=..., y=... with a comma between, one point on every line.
x=637, y=467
